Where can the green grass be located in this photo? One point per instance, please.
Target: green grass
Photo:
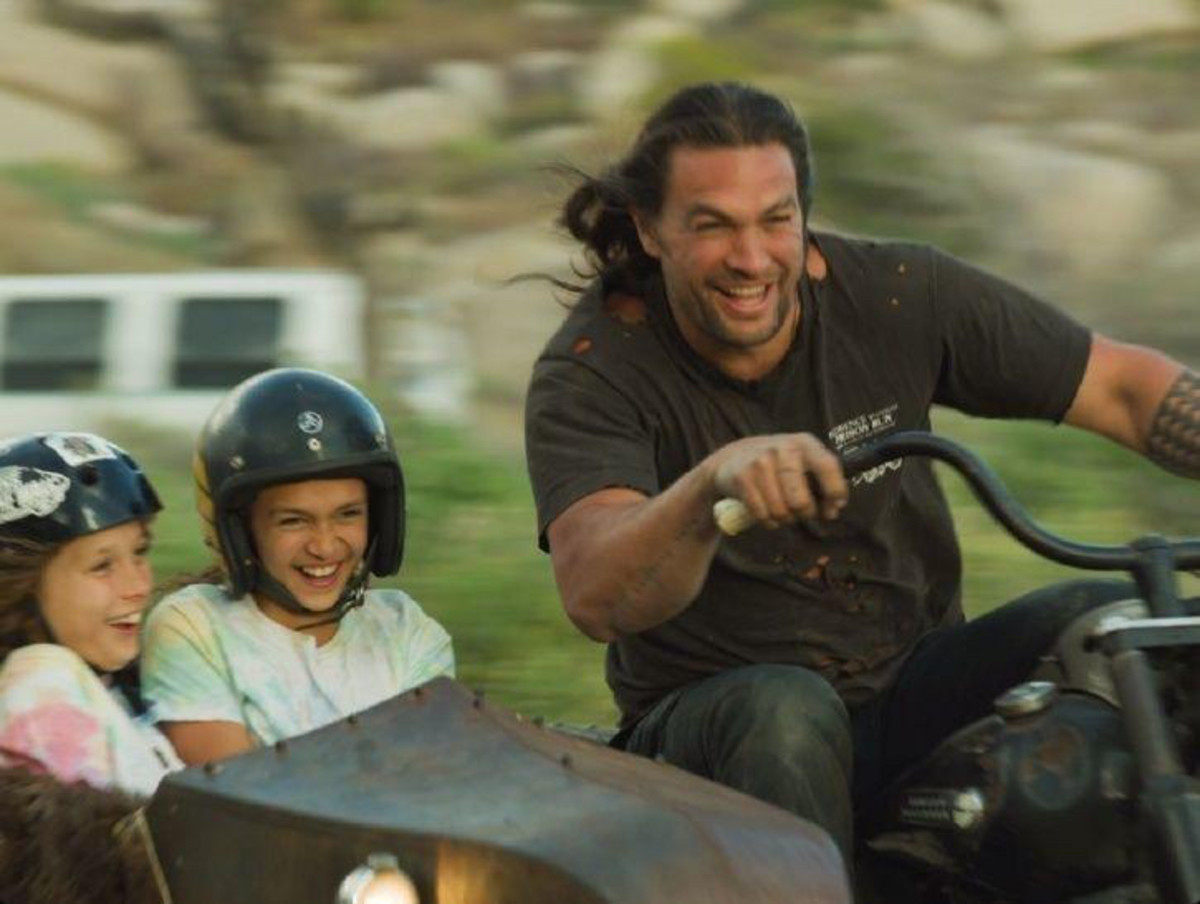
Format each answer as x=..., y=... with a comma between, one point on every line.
x=870, y=174
x=687, y=60
x=470, y=559
x=1171, y=54
x=472, y=562
x=62, y=185
x=1074, y=484
x=76, y=193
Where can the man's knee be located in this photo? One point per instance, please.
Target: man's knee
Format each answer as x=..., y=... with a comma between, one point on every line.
x=779, y=733
x=787, y=711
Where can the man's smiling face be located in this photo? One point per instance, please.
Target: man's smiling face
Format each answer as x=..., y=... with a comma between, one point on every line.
x=730, y=240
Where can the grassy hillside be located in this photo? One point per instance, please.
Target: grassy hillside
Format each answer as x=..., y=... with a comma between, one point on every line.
x=471, y=558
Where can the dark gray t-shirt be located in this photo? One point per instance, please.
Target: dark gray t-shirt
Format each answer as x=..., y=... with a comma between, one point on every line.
x=618, y=399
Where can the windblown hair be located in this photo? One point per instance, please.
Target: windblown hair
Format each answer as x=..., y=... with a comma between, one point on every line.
x=708, y=115
x=66, y=844
x=209, y=574
x=21, y=564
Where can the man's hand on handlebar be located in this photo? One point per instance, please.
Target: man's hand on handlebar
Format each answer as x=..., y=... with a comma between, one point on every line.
x=781, y=478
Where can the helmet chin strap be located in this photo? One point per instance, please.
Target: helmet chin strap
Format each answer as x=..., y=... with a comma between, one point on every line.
x=353, y=594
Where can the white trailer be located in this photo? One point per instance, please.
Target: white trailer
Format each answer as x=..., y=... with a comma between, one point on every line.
x=79, y=350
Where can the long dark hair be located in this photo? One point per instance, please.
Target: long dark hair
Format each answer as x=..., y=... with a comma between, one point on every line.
x=707, y=115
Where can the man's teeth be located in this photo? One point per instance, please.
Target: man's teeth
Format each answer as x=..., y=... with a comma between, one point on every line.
x=745, y=291
x=128, y=620
x=318, y=571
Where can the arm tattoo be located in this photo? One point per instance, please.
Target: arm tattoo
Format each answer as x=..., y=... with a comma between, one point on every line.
x=1174, y=440
x=648, y=577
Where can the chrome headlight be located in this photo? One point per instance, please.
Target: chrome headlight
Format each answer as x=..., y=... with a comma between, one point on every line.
x=378, y=881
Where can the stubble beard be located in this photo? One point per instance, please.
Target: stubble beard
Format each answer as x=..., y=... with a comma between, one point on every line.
x=720, y=331
x=717, y=329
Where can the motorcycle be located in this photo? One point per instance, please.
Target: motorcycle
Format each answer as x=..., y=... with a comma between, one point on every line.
x=1082, y=786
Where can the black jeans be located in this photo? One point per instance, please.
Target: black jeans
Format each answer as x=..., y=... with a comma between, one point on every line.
x=781, y=734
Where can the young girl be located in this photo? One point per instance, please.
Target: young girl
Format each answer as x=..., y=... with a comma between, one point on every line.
x=301, y=497
x=75, y=512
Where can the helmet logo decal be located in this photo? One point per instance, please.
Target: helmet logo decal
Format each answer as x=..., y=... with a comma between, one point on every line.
x=28, y=491
x=310, y=422
x=79, y=448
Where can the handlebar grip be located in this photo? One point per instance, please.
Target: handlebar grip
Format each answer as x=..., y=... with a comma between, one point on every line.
x=732, y=516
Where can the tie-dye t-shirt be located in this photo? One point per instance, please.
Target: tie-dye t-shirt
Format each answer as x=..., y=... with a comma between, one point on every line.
x=207, y=657
x=57, y=717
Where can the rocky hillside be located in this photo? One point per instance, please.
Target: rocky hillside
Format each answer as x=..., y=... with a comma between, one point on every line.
x=1055, y=140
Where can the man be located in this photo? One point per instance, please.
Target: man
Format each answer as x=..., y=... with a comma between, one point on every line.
x=726, y=349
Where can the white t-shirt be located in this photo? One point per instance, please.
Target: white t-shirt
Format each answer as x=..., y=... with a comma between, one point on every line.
x=58, y=717
x=207, y=657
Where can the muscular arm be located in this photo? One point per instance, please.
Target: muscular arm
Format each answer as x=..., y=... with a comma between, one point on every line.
x=1174, y=439
x=626, y=562
x=203, y=742
x=1144, y=400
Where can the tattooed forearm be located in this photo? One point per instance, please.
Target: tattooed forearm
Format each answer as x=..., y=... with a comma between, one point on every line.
x=648, y=579
x=1174, y=439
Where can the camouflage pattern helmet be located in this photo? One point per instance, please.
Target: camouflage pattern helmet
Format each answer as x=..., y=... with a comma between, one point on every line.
x=284, y=426
x=56, y=487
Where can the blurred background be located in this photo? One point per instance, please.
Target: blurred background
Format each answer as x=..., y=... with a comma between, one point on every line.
x=414, y=148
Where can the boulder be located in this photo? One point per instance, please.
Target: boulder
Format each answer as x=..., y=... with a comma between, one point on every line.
x=77, y=73
x=1104, y=136
x=477, y=86
x=953, y=31
x=558, y=25
x=37, y=133
x=542, y=72
x=1091, y=213
x=408, y=119
x=49, y=242
x=135, y=218
x=704, y=11
x=121, y=19
x=323, y=78
x=506, y=324
x=560, y=142
x=260, y=226
x=1182, y=256
x=405, y=119
x=624, y=69
x=1064, y=25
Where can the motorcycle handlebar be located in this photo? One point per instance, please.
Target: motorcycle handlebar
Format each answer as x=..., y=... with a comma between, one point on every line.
x=733, y=517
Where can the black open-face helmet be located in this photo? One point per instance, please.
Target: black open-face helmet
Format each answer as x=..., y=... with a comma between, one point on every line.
x=284, y=426
x=56, y=487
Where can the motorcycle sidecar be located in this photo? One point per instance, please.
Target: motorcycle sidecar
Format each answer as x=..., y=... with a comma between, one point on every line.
x=473, y=804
